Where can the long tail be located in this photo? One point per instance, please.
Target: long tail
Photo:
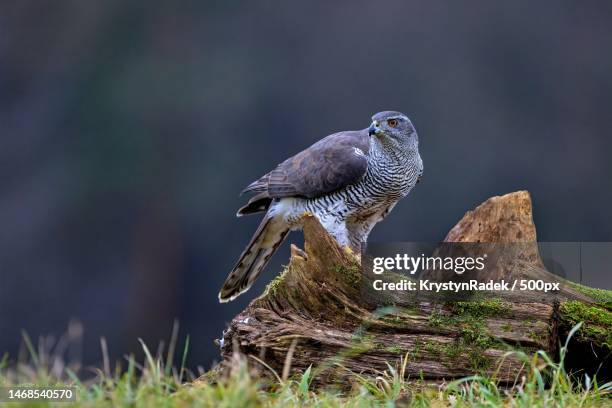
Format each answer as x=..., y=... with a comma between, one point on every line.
x=269, y=236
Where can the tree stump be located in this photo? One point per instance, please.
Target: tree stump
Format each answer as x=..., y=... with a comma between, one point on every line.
x=317, y=313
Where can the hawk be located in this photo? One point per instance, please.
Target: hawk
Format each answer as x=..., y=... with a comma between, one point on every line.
x=349, y=180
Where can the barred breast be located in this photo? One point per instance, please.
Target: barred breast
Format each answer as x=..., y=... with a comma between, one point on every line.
x=386, y=181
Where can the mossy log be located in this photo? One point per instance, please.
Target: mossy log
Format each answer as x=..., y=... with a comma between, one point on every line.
x=318, y=313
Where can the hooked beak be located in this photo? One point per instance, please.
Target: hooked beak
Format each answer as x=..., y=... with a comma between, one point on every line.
x=373, y=129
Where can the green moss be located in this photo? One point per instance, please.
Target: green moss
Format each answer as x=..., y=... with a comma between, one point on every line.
x=481, y=308
x=475, y=335
x=451, y=350
x=433, y=348
x=412, y=310
x=395, y=320
x=579, y=311
x=351, y=273
x=604, y=297
x=596, y=320
x=436, y=319
x=213, y=375
x=527, y=321
x=472, y=348
x=469, y=317
x=478, y=361
x=275, y=283
x=533, y=335
x=394, y=350
x=468, y=312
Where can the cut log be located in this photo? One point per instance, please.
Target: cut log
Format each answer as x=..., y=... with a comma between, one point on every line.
x=319, y=311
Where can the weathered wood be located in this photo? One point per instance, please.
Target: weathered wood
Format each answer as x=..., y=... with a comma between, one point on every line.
x=320, y=306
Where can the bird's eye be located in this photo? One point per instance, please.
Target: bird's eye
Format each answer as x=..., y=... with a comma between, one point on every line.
x=392, y=123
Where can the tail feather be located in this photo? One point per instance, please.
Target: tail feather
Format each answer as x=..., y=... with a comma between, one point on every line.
x=259, y=203
x=269, y=236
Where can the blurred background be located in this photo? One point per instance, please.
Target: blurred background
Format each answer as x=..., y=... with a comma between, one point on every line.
x=129, y=128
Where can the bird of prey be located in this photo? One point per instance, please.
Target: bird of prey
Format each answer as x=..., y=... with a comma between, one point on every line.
x=349, y=180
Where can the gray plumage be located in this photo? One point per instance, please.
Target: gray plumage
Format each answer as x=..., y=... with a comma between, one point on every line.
x=349, y=180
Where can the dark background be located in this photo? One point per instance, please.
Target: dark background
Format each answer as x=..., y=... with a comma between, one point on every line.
x=128, y=129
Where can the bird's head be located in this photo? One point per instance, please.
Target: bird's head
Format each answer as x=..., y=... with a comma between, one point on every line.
x=393, y=125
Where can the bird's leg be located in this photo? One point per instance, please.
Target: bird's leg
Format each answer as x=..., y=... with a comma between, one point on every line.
x=355, y=244
x=358, y=233
x=359, y=229
x=388, y=210
x=336, y=227
x=341, y=233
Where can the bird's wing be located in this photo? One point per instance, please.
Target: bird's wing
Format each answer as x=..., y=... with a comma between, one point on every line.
x=328, y=165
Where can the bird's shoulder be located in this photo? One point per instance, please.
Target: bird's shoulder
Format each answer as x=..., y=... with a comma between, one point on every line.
x=331, y=163
x=342, y=140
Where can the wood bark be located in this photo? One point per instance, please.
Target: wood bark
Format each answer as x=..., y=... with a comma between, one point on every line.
x=321, y=313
